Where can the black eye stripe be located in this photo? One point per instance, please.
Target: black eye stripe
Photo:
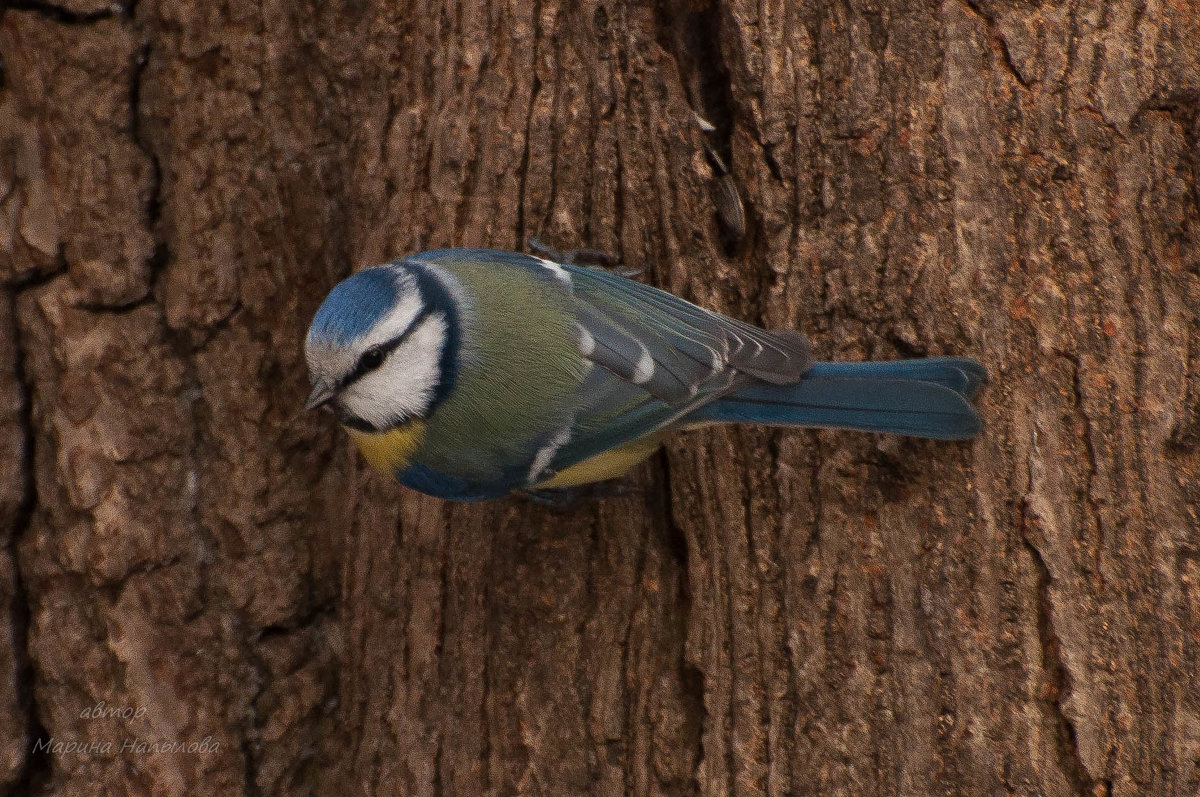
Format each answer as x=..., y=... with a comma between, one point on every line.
x=374, y=357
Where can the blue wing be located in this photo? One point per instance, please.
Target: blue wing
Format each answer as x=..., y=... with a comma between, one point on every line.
x=695, y=356
x=685, y=350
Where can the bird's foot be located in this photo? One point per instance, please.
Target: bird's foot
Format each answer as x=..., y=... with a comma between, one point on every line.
x=581, y=257
x=571, y=497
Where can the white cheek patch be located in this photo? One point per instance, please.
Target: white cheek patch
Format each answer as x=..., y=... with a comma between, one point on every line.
x=405, y=385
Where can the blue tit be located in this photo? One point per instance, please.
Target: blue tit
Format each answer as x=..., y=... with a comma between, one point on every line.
x=470, y=373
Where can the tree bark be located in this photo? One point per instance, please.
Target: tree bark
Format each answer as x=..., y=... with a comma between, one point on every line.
x=205, y=591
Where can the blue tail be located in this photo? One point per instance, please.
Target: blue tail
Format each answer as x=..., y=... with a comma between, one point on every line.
x=919, y=398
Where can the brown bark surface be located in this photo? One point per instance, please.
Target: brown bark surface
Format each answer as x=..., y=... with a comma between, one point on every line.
x=206, y=592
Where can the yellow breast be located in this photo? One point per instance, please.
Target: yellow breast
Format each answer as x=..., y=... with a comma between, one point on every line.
x=392, y=450
x=606, y=465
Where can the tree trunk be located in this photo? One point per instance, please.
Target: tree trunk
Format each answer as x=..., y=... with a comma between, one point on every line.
x=206, y=591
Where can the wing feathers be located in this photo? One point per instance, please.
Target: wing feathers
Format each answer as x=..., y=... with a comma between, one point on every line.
x=687, y=345
x=613, y=348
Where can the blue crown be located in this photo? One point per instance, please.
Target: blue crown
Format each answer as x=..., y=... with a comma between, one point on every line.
x=354, y=306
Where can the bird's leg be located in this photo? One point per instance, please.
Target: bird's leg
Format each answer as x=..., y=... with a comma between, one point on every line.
x=563, y=498
x=575, y=257
x=581, y=257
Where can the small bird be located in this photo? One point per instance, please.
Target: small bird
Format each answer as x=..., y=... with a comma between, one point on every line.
x=468, y=374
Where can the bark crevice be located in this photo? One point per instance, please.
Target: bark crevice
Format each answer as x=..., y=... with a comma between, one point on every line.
x=1054, y=668
x=523, y=167
x=36, y=765
x=63, y=15
x=1001, y=43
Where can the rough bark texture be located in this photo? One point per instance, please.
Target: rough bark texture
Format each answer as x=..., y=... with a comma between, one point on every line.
x=187, y=558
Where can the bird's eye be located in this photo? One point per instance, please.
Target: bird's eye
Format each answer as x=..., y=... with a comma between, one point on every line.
x=371, y=359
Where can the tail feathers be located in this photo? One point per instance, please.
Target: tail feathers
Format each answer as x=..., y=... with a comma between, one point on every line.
x=961, y=374
x=919, y=398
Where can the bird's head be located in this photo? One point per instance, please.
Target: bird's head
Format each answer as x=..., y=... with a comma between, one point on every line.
x=383, y=346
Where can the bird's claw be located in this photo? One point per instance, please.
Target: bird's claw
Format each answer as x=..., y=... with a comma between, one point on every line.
x=582, y=256
x=562, y=498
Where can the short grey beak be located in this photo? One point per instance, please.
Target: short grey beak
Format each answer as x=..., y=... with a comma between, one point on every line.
x=322, y=392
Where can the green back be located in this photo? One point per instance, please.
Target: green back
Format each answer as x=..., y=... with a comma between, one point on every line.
x=519, y=368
